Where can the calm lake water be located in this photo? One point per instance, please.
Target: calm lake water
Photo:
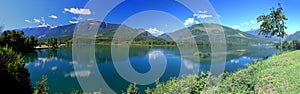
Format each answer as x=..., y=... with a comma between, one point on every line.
x=57, y=64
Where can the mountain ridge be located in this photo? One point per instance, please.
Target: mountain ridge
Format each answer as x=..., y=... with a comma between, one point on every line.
x=107, y=30
x=295, y=36
x=232, y=36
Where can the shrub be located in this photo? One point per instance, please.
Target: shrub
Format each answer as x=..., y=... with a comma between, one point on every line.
x=13, y=72
x=42, y=87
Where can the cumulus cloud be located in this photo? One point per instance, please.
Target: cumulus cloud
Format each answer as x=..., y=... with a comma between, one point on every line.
x=73, y=22
x=53, y=16
x=28, y=21
x=155, y=31
x=202, y=16
x=78, y=11
x=189, y=21
x=37, y=20
x=252, y=21
x=235, y=27
x=246, y=23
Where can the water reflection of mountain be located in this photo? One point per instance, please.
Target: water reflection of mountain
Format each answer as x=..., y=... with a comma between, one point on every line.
x=233, y=52
x=103, y=53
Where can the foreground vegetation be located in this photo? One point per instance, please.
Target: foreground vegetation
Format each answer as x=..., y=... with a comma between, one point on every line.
x=279, y=74
x=13, y=46
x=292, y=45
x=13, y=72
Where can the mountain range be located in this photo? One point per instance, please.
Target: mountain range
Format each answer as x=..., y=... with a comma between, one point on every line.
x=255, y=33
x=295, y=36
x=66, y=31
x=107, y=30
x=199, y=33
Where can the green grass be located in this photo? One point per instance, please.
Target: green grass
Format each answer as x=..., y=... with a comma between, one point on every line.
x=278, y=74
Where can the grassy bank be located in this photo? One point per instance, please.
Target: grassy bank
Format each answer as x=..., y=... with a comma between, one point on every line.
x=278, y=74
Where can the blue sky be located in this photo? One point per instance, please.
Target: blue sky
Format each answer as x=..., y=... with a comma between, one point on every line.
x=157, y=16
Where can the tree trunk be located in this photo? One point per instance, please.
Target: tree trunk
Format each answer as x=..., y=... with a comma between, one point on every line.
x=281, y=44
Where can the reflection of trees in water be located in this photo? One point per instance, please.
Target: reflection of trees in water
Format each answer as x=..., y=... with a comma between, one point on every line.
x=31, y=57
x=51, y=53
x=138, y=51
x=233, y=52
x=103, y=53
x=65, y=53
x=251, y=51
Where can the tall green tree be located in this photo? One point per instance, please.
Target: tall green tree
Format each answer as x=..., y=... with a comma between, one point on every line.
x=17, y=41
x=52, y=42
x=273, y=24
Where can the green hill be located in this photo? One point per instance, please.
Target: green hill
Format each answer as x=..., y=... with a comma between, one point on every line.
x=200, y=35
x=295, y=36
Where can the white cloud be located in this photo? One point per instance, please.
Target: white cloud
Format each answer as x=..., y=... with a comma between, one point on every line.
x=73, y=22
x=204, y=11
x=53, y=16
x=252, y=21
x=235, y=27
x=78, y=11
x=37, y=20
x=246, y=23
x=189, y=21
x=202, y=16
x=28, y=21
x=155, y=31
x=76, y=18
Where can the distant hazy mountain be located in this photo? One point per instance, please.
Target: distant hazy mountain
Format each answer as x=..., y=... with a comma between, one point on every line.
x=38, y=30
x=255, y=33
x=295, y=36
x=105, y=29
x=200, y=35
